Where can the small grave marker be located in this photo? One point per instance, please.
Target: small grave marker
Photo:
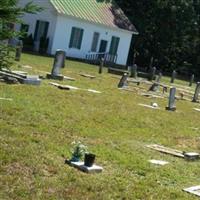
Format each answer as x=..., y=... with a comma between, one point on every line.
x=173, y=76
x=171, y=104
x=101, y=65
x=158, y=162
x=196, y=94
x=123, y=81
x=80, y=165
x=133, y=71
x=191, y=80
x=18, y=50
x=152, y=73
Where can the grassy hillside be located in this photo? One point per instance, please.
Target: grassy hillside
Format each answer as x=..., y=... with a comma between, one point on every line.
x=39, y=125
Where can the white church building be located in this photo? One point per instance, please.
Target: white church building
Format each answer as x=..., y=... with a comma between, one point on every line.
x=82, y=28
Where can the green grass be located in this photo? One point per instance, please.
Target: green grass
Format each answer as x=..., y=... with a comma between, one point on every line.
x=38, y=126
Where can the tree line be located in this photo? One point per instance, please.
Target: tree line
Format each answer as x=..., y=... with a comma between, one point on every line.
x=169, y=33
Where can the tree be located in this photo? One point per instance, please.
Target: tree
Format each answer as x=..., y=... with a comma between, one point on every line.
x=169, y=31
x=10, y=14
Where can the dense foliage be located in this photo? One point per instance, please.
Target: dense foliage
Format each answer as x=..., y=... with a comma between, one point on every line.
x=9, y=15
x=169, y=32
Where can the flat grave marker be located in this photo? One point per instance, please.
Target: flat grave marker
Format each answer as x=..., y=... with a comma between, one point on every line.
x=80, y=165
x=159, y=162
x=193, y=190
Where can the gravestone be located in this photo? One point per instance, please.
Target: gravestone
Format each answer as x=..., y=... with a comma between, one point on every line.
x=18, y=53
x=191, y=80
x=171, y=103
x=173, y=76
x=133, y=71
x=159, y=77
x=101, y=65
x=196, y=94
x=155, y=86
x=123, y=81
x=152, y=73
x=59, y=62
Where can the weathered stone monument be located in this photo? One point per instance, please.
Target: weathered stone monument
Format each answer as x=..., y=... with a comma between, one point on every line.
x=171, y=104
x=152, y=73
x=173, y=76
x=191, y=80
x=123, y=81
x=133, y=71
x=18, y=53
x=155, y=86
x=196, y=94
x=101, y=65
x=59, y=62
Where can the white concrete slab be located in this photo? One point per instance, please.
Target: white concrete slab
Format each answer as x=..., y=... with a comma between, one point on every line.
x=148, y=106
x=158, y=162
x=80, y=165
x=193, y=190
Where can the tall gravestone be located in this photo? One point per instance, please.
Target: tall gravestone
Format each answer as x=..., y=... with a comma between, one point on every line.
x=101, y=65
x=171, y=104
x=18, y=53
x=123, y=81
x=191, y=80
x=173, y=76
x=196, y=94
x=59, y=62
x=134, y=71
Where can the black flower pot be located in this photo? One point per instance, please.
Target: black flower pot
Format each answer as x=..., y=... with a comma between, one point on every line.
x=89, y=159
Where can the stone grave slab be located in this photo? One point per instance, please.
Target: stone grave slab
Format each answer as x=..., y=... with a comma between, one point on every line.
x=63, y=87
x=80, y=165
x=32, y=80
x=190, y=156
x=193, y=190
x=26, y=67
x=69, y=78
x=6, y=99
x=159, y=162
x=20, y=72
x=87, y=75
x=197, y=109
x=149, y=106
x=94, y=91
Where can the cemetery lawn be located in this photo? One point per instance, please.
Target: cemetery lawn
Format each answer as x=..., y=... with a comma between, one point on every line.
x=39, y=125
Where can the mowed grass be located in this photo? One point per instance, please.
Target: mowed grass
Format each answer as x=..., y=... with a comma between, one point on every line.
x=39, y=125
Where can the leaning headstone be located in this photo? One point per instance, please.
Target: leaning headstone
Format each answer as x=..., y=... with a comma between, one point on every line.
x=152, y=73
x=196, y=94
x=123, y=81
x=171, y=104
x=59, y=61
x=133, y=71
x=101, y=65
x=173, y=76
x=18, y=53
x=155, y=86
x=191, y=80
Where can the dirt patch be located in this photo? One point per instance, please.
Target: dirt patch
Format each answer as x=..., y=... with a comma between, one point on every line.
x=187, y=142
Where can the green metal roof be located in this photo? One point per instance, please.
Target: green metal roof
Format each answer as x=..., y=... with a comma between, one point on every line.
x=104, y=12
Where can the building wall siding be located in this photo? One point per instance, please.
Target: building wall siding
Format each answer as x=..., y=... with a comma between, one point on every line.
x=49, y=14
x=63, y=32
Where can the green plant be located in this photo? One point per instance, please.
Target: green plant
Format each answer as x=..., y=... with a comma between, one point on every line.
x=78, y=150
